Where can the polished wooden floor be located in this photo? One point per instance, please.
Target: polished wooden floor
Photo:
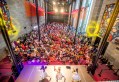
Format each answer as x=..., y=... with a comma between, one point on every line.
x=31, y=73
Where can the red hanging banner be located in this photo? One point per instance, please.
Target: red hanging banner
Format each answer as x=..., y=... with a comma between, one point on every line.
x=30, y=9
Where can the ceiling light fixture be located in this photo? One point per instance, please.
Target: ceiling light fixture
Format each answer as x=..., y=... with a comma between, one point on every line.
x=62, y=10
x=54, y=3
x=56, y=10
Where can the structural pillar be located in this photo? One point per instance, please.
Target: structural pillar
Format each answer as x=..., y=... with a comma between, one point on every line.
x=8, y=43
x=69, y=19
x=81, y=1
x=45, y=12
x=37, y=15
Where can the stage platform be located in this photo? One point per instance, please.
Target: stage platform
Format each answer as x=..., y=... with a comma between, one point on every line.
x=31, y=73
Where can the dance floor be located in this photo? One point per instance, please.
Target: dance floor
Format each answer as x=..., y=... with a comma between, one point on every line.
x=31, y=73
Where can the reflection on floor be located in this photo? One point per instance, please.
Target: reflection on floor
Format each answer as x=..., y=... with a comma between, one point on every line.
x=31, y=73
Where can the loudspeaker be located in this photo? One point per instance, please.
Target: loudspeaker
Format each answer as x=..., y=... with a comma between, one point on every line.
x=15, y=71
x=94, y=67
x=105, y=47
x=68, y=67
x=11, y=79
x=97, y=41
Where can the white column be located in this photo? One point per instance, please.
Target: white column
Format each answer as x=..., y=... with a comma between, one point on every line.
x=77, y=4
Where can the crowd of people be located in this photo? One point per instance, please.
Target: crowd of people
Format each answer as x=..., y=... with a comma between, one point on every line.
x=56, y=45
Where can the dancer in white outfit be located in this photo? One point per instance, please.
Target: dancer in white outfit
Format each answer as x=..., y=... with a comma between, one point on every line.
x=44, y=75
x=59, y=75
x=76, y=77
